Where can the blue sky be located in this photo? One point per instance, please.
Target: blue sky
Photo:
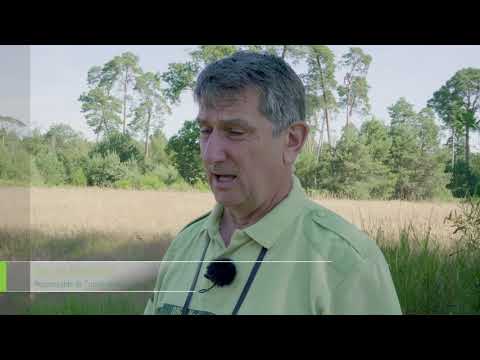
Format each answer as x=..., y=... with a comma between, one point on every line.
x=58, y=77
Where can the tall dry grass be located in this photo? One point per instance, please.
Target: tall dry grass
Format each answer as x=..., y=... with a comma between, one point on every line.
x=96, y=224
x=144, y=213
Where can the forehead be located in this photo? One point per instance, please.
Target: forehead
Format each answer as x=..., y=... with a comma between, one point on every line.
x=243, y=105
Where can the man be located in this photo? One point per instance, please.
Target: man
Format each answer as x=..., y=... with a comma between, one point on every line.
x=273, y=251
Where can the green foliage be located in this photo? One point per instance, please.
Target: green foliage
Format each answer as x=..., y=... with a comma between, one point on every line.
x=467, y=223
x=77, y=177
x=158, y=145
x=402, y=161
x=14, y=162
x=353, y=95
x=417, y=160
x=306, y=168
x=101, y=110
x=185, y=151
x=51, y=168
x=457, y=103
x=166, y=173
x=148, y=114
x=122, y=144
x=353, y=166
x=179, y=76
x=104, y=171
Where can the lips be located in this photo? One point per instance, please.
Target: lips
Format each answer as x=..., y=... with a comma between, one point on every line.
x=223, y=180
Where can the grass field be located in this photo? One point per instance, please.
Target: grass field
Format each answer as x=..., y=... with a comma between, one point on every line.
x=96, y=224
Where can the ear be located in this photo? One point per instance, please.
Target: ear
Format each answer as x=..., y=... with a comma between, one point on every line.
x=295, y=137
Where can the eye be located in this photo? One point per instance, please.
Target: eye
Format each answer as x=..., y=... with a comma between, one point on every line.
x=205, y=131
x=236, y=132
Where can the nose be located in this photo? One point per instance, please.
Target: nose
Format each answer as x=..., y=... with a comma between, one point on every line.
x=213, y=148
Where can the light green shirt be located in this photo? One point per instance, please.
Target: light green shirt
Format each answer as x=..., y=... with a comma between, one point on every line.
x=294, y=278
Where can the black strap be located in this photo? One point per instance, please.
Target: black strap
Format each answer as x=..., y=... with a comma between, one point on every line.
x=249, y=281
x=192, y=288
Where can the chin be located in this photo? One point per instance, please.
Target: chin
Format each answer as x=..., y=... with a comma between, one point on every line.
x=227, y=200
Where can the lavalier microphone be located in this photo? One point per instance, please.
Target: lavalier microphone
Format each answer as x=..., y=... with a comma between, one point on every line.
x=221, y=272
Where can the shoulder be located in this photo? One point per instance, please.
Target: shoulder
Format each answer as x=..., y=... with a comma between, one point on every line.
x=339, y=240
x=185, y=236
x=196, y=223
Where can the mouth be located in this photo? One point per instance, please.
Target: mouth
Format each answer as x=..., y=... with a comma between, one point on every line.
x=223, y=181
x=224, y=178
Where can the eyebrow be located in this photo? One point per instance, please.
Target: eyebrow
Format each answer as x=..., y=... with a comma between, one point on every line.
x=230, y=122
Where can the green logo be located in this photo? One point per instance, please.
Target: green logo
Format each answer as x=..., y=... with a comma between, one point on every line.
x=3, y=276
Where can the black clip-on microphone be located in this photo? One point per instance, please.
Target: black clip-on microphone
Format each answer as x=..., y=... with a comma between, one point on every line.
x=221, y=272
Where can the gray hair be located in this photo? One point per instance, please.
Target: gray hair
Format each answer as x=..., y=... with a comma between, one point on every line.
x=282, y=94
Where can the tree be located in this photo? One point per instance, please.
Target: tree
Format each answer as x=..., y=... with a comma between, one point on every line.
x=404, y=152
x=71, y=150
x=292, y=52
x=356, y=172
x=151, y=108
x=8, y=122
x=354, y=93
x=123, y=70
x=61, y=135
x=123, y=145
x=184, y=148
x=320, y=82
x=418, y=161
x=181, y=76
x=101, y=109
x=430, y=175
x=105, y=170
x=50, y=167
x=375, y=135
x=158, y=145
x=458, y=102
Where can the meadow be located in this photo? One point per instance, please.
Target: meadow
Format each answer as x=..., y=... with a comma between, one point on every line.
x=431, y=275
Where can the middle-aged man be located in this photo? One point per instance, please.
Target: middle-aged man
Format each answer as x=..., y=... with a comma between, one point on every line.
x=265, y=248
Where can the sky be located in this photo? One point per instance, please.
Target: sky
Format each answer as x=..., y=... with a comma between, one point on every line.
x=58, y=76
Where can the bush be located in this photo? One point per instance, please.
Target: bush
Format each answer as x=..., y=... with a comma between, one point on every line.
x=166, y=173
x=151, y=182
x=36, y=178
x=201, y=186
x=123, y=145
x=78, y=178
x=51, y=169
x=467, y=223
x=105, y=171
x=180, y=185
x=124, y=184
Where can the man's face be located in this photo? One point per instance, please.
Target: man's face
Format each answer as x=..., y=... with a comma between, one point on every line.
x=243, y=161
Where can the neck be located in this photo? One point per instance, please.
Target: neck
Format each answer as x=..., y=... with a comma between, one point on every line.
x=239, y=219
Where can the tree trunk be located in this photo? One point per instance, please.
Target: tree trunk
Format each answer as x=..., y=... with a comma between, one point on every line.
x=125, y=103
x=325, y=110
x=320, y=141
x=327, y=122
x=453, y=151
x=147, y=133
x=467, y=146
x=348, y=106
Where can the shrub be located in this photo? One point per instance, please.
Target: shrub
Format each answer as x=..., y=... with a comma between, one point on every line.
x=105, y=171
x=467, y=223
x=78, y=177
x=51, y=169
x=151, y=182
x=166, y=173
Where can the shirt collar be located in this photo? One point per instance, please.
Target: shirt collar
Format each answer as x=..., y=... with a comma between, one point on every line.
x=268, y=229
